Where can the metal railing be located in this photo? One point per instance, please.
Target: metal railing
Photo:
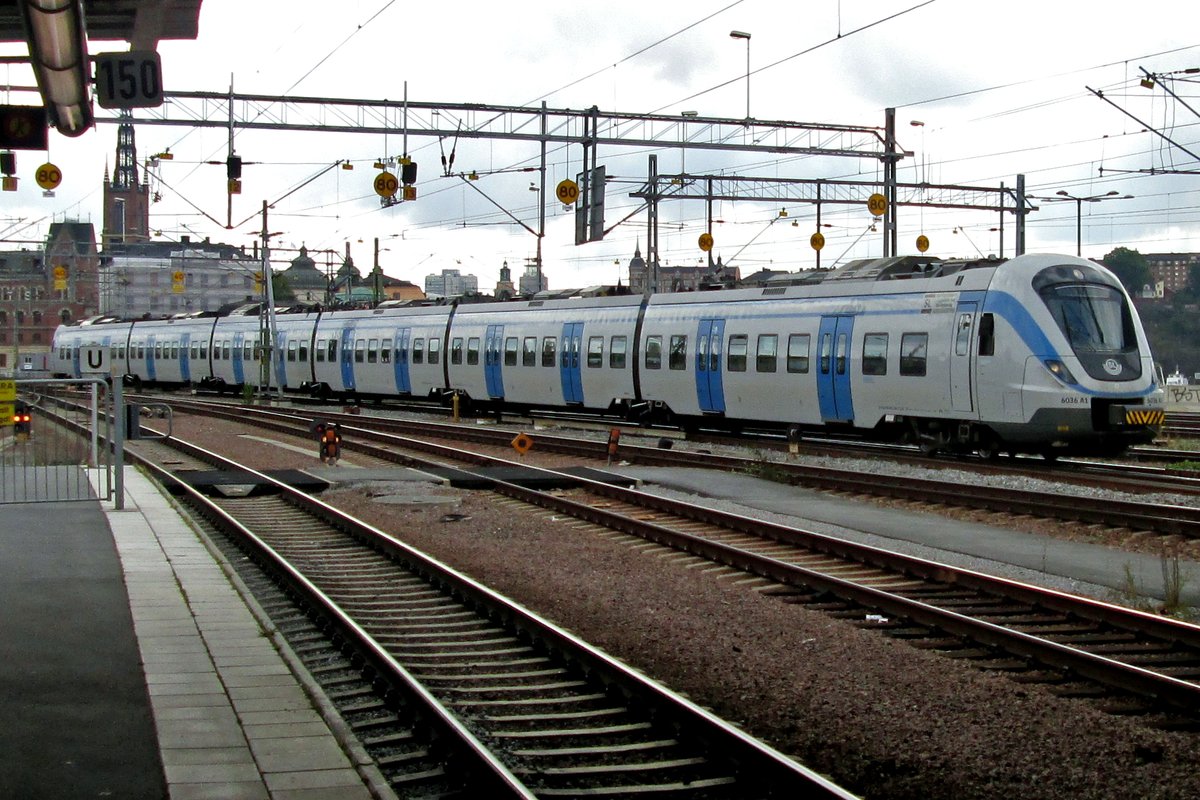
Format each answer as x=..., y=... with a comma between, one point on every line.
x=43, y=461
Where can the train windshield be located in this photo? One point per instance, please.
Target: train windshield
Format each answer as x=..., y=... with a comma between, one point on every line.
x=1098, y=324
x=1093, y=318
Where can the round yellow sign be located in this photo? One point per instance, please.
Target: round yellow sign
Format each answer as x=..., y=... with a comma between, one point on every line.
x=177, y=276
x=386, y=184
x=877, y=204
x=567, y=192
x=48, y=176
x=60, y=273
x=817, y=240
x=922, y=243
x=706, y=242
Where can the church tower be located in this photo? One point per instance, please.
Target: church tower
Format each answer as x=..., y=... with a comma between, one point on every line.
x=126, y=200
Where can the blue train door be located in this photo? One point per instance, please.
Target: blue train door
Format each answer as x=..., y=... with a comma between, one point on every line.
x=347, y=356
x=709, y=390
x=280, y=357
x=150, y=370
x=833, y=369
x=185, y=364
x=400, y=361
x=235, y=358
x=493, y=354
x=572, y=378
x=960, y=357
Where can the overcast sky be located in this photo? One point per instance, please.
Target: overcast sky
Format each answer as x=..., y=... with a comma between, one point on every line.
x=1000, y=89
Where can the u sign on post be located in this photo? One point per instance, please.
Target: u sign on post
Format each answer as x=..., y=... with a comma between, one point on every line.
x=94, y=360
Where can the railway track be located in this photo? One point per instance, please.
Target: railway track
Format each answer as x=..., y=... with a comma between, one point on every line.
x=504, y=703
x=1164, y=519
x=1132, y=661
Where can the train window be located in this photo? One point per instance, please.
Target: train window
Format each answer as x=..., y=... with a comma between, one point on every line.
x=963, y=338
x=914, y=349
x=797, y=354
x=456, y=350
x=225, y=351
x=874, y=355
x=739, y=345
x=360, y=350
x=987, y=334
x=248, y=353
x=291, y=351
x=333, y=343
x=302, y=351
x=157, y=350
x=595, y=354
x=472, y=351
x=840, y=356
x=175, y=350
x=826, y=350
x=767, y=358
x=195, y=350
x=320, y=350
x=677, y=359
x=385, y=351
x=418, y=350
x=510, y=351
x=203, y=350
x=549, y=348
x=402, y=349
x=616, y=355
x=372, y=351
x=529, y=351
x=435, y=347
x=702, y=353
x=653, y=352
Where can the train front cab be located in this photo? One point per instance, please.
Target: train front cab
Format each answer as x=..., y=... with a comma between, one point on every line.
x=1088, y=387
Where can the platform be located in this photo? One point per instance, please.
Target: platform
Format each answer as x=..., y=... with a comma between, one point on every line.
x=132, y=668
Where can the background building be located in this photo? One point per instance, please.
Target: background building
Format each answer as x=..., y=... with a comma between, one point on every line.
x=164, y=278
x=1172, y=270
x=40, y=289
x=529, y=283
x=451, y=283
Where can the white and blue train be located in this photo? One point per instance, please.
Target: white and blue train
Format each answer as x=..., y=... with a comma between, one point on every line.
x=1040, y=354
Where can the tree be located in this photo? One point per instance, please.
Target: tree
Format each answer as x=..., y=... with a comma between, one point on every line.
x=1130, y=267
x=281, y=289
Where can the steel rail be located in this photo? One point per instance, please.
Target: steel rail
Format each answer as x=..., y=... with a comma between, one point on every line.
x=759, y=764
x=1164, y=518
x=1104, y=670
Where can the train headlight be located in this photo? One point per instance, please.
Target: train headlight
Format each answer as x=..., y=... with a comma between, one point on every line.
x=1059, y=370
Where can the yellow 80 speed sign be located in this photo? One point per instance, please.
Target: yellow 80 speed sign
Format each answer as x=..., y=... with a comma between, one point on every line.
x=386, y=184
x=567, y=192
x=48, y=176
x=877, y=204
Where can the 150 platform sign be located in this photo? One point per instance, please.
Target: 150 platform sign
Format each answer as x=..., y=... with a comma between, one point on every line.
x=129, y=80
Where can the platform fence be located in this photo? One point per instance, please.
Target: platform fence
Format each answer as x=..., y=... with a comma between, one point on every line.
x=43, y=460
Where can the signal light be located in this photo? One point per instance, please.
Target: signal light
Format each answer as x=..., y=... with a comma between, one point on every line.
x=233, y=167
x=21, y=422
x=408, y=173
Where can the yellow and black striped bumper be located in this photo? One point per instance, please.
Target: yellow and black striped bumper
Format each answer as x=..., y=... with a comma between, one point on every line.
x=1151, y=417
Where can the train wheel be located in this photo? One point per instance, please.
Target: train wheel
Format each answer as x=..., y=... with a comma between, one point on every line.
x=988, y=452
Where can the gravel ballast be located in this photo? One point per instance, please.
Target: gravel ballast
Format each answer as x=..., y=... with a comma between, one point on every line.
x=880, y=717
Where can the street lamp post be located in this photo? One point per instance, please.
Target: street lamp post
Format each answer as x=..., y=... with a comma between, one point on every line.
x=1064, y=196
x=746, y=36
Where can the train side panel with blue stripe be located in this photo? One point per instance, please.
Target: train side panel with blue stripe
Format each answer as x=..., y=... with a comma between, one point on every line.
x=1041, y=353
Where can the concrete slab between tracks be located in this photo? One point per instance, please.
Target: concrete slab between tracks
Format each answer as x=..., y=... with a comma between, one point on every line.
x=478, y=478
x=131, y=666
x=1104, y=571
